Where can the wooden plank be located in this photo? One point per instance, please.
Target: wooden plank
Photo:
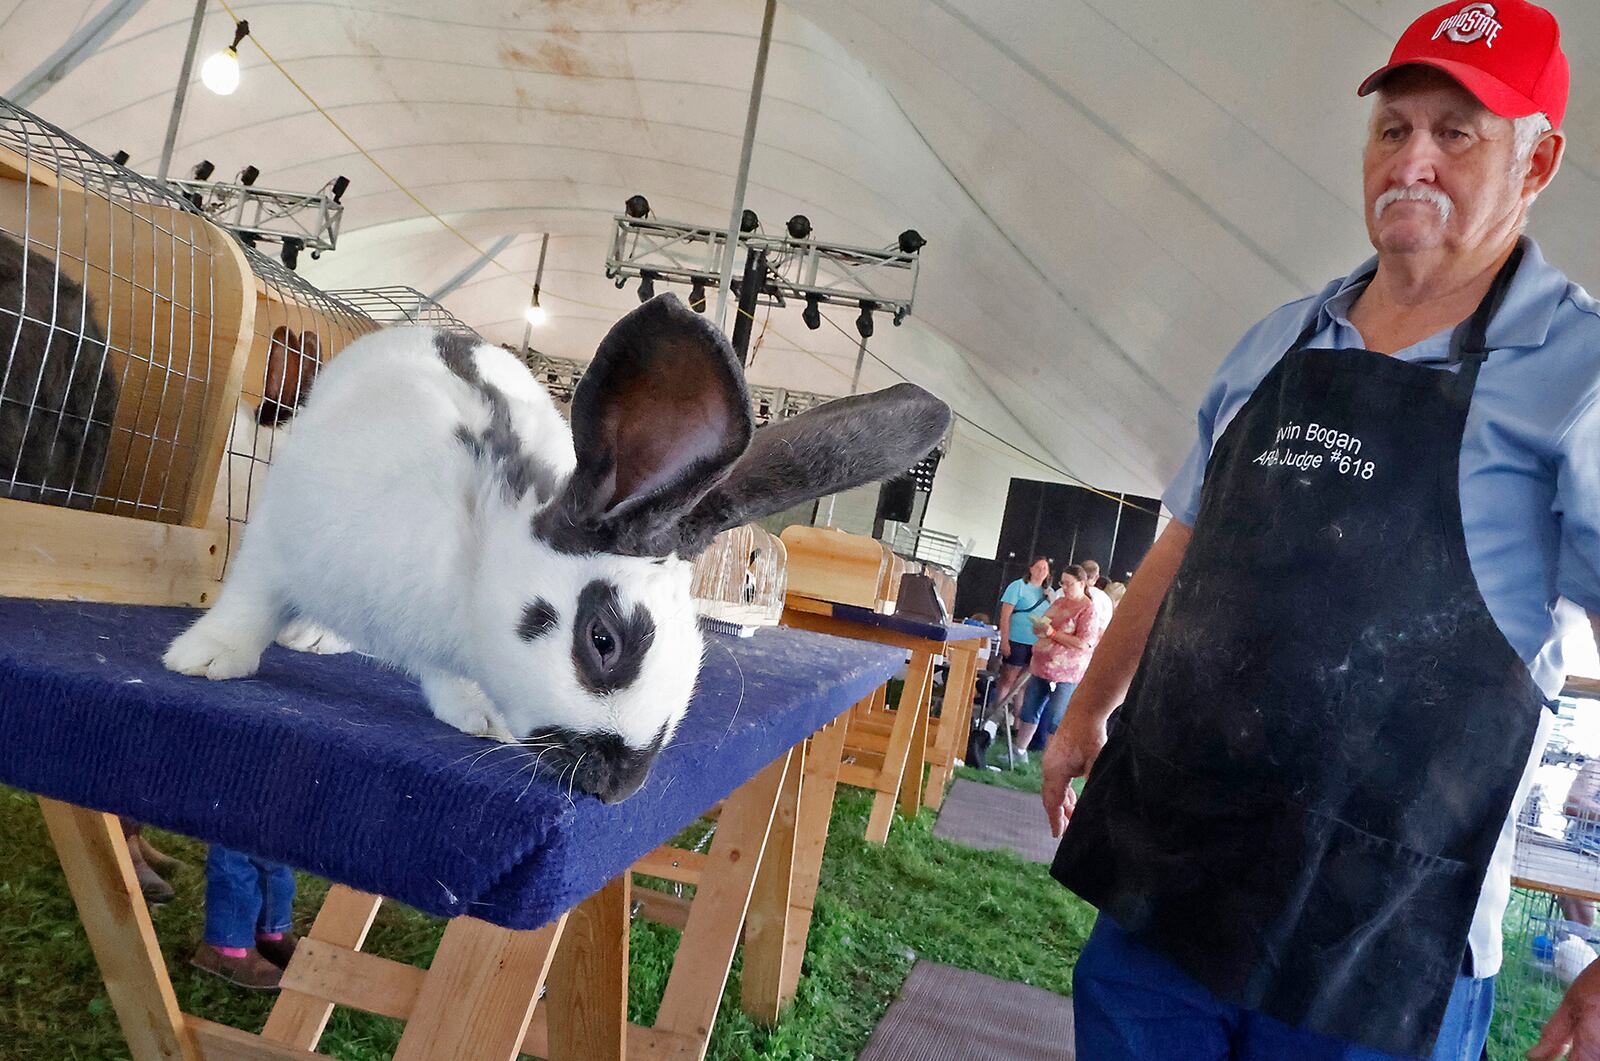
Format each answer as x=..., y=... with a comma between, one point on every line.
x=906, y=731
x=920, y=697
x=860, y=775
x=478, y=998
x=827, y=624
x=349, y=977
x=298, y=1018
x=586, y=1007
x=672, y=863
x=811, y=839
x=69, y=554
x=222, y=1043
x=663, y=908
x=705, y=951
x=1582, y=688
x=767, y=925
x=951, y=728
x=94, y=857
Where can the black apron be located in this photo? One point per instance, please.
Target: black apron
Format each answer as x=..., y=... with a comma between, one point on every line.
x=1303, y=790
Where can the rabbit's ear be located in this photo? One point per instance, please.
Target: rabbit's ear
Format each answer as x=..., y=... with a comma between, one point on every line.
x=833, y=447
x=283, y=355
x=659, y=417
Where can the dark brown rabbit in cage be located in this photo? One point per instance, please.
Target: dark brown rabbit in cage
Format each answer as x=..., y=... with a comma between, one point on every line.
x=57, y=392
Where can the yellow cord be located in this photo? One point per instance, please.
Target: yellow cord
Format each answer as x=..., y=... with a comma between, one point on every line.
x=546, y=292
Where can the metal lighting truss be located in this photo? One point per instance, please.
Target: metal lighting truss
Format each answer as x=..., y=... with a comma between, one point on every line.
x=797, y=268
x=560, y=376
x=263, y=214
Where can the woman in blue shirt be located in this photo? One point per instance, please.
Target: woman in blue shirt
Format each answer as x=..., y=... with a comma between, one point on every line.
x=1022, y=601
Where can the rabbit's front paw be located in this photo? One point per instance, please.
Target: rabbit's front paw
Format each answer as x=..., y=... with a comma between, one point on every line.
x=305, y=636
x=202, y=653
x=463, y=705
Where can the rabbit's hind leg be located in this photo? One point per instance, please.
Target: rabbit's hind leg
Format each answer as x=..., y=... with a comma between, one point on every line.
x=463, y=705
x=227, y=641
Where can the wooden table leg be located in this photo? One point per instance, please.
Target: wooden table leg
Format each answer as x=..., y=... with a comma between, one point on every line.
x=917, y=759
x=478, y=998
x=901, y=739
x=94, y=857
x=298, y=1019
x=954, y=718
x=716, y=918
x=767, y=926
x=816, y=813
x=587, y=1005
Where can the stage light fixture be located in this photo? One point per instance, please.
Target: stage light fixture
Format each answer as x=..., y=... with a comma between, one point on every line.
x=120, y=158
x=812, y=314
x=291, y=251
x=911, y=241
x=340, y=185
x=748, y=221
x=220, y=73
x=864, y=320
x=799, y=226
x=647, y=286
x=697, y=295
x=204, y=170
x=637, y=206
x=248, y=175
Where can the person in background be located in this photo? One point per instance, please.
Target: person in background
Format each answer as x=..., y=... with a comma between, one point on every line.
x=1068, y=633
x=1091, y=573
x=249, y=907
x=1022, y=601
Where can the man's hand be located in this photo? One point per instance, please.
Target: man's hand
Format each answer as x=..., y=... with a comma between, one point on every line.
x=1573, y=1030
x=1070, y=754
x=1005, y=647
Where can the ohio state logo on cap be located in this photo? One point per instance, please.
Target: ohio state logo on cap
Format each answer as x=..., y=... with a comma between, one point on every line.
x=1474, y=22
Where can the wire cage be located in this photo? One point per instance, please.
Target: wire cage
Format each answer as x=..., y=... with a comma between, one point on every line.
x=401, y=305
x=740, y=580
x=1550, y=935
x=118, y=320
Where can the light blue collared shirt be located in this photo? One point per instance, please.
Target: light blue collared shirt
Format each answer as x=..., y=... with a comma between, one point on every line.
x=1530, y=479
x=1530, y=458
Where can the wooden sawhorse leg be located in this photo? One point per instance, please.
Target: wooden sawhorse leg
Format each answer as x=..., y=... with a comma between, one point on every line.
x=955, y=718
x=99, y=871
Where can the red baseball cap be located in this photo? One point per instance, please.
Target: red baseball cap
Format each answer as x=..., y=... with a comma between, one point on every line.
x=1506, y=53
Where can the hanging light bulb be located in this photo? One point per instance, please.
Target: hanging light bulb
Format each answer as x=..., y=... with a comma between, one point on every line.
x=220, y=73
x=535, y=313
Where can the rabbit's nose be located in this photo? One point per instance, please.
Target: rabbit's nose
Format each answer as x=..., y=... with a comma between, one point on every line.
x=614, y=778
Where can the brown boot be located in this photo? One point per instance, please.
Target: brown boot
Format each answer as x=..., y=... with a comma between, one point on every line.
x=156, y=891
x=157, y=860
x=278, y=951
x=252, y=972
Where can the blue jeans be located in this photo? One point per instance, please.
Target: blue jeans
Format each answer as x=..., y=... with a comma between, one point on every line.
x=1131, y=1004
x=1042, y=707
x=245, y=896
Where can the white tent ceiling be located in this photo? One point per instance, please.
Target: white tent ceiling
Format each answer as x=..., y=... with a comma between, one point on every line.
x=1111, y=191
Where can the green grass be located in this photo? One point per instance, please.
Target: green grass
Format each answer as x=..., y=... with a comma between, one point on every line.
x=878, y=910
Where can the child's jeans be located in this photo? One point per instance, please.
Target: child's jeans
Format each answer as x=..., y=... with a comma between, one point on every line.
x=245, y=896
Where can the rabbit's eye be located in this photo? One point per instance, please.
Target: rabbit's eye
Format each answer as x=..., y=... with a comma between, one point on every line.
x=603, y=642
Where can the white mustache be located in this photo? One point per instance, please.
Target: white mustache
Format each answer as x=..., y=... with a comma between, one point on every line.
x=1418, y=192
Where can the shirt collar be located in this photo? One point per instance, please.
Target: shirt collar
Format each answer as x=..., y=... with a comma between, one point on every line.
x=1524, y=318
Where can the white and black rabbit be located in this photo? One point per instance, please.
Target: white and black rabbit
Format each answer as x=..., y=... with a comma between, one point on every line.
x=432, y=506
x=58, y=396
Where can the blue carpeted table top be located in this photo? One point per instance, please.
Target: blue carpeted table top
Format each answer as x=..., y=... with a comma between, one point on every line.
x=334, y=765
x=901, y=624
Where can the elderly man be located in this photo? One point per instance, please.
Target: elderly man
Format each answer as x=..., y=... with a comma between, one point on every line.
x=1333, y=666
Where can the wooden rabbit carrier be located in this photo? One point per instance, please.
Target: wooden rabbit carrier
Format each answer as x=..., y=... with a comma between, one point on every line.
x=124, y=328
x=740, y=580
x=832, y=565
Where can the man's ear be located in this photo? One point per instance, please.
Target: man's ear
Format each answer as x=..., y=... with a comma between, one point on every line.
x=659, y=417
x=1544, y=163
x=833, y=447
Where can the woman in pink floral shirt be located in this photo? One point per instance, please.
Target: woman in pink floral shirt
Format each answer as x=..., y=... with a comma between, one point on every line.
x=1068, y=632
